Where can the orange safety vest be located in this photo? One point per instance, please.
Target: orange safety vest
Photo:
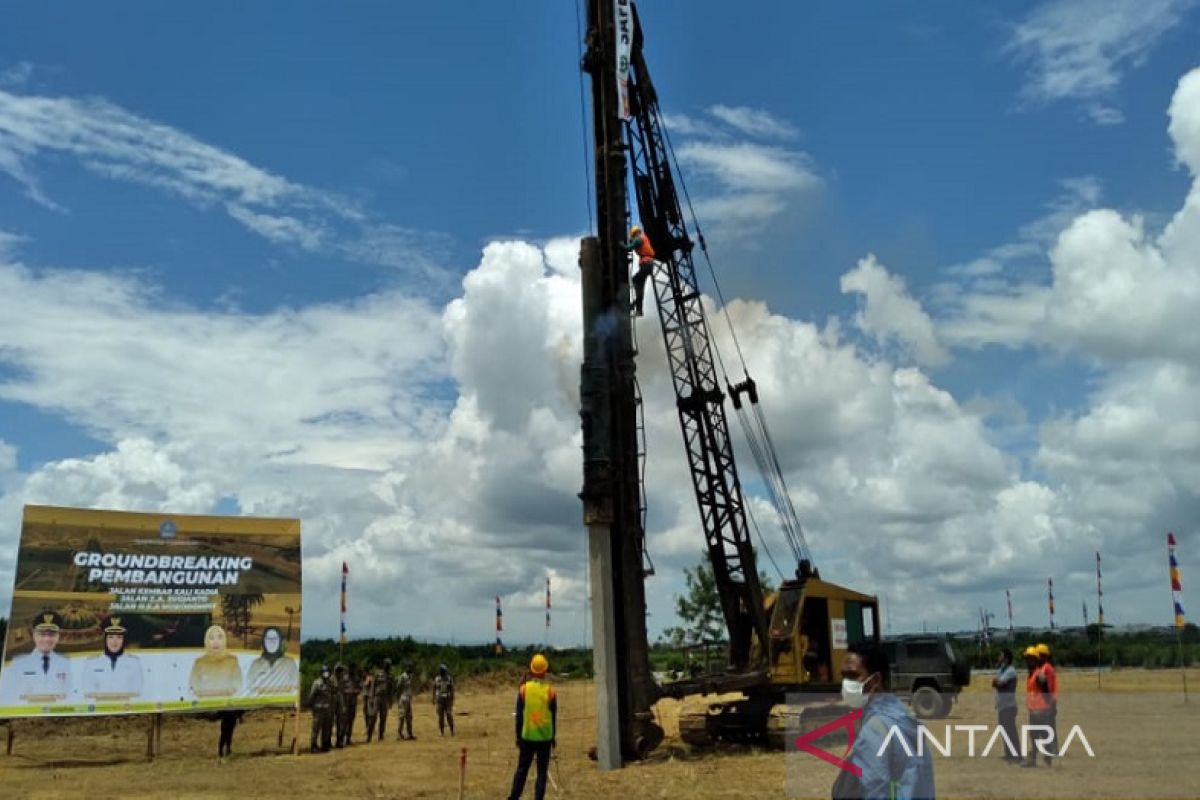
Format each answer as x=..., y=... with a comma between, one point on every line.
x=1035, y=699
x=537, y=724
x=644, y=250
x=1051, y=679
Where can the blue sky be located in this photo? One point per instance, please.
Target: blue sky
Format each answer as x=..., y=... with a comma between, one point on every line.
x=319, y=262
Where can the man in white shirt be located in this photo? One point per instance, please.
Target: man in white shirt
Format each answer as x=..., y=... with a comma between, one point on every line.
x=114, y=674
x=43, y=676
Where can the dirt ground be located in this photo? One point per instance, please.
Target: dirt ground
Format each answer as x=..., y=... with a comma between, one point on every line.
x=1146, y=740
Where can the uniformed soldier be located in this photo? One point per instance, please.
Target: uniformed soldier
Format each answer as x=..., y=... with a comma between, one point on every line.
x=42, y=676
x=443, y=699
x=348, y=687
x=339, y=704
x=368, y=681
x=321, y=699
x=404, y=703
x=388, y=695
x=379, y=697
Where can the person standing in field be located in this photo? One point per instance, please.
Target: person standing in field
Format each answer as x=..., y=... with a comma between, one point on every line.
x=889, y=769
x=1005, y=684
x=387, y=688
x=369, y=710
x=321, y=700
x=536, y=720
x=1041, y=698
x=348, y=687
x=443, y=699
x=404, y=703
x=229, y=721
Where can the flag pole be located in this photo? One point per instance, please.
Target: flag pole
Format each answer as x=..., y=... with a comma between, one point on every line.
x=1176, y=601
x=499, y=647
x=1182, y=665
x=342, y=635
x=1008, y=601
x=1099, y=623
x=1050, y=601
x=546, y=635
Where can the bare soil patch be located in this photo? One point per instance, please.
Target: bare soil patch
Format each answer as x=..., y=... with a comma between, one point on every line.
x=1144, y=735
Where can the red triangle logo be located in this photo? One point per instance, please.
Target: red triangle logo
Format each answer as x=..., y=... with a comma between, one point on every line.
x=848, y=721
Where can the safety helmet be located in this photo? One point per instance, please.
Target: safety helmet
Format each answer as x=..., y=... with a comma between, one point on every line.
x=1042, y=649
x=1031, y=652
x=539, y=665
x=635, y=230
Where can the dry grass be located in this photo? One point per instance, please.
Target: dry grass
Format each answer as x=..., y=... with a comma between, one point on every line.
x=1145, y=744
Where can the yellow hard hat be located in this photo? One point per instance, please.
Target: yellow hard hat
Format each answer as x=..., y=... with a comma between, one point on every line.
x=1031, y=651
x=635, y=229
x=1042, y=649
x=539, y=665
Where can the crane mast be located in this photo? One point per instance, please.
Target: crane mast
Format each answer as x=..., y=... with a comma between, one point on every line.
x=699, y=400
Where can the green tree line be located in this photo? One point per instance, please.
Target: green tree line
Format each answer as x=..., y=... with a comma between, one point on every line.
x=1151, y=649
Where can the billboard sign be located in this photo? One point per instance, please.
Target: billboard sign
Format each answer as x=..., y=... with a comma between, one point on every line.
x=118, y=612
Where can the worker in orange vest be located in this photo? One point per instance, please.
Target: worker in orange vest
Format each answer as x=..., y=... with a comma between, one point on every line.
x=1041, y=696
x=537, y=718
x=1050, y=681
x=640, y=242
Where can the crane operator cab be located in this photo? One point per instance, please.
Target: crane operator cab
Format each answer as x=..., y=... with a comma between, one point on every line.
x=813, y=623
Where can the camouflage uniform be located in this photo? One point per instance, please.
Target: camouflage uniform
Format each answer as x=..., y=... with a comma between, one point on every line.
x=322, y=698
x=349, y=689
x=368, y=688
x=404, y=705
x=379, y=697
x=443, y=699
x=339, y=705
